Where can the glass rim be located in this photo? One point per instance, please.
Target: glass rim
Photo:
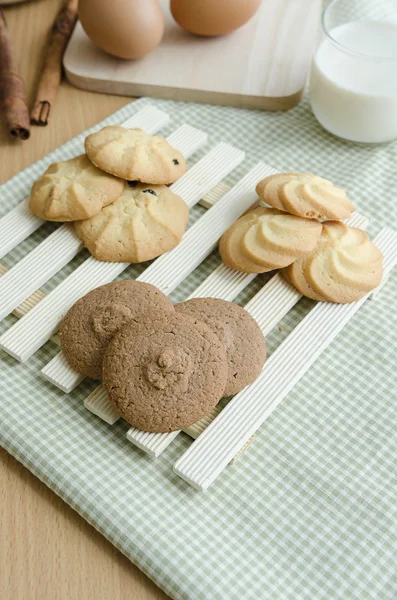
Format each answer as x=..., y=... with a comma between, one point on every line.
x=345, y=48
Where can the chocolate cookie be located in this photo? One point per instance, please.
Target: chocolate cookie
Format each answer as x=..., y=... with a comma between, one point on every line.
x=164, y=374
x=238, y=331
x=93, y=320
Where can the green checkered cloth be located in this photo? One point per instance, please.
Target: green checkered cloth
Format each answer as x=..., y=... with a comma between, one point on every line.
x=310, y=511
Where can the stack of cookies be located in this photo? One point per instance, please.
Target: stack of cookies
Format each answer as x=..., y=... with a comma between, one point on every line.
x=163, y=366
x=303, y=235
x=117, y=195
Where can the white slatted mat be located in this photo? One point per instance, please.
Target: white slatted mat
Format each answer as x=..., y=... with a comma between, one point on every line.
x=225, y=434
x=57, y=371
x=37, y=267
x=19, y=223
x=60, y=373
x=206, y=458
x=27, y=304
x=33, y=330
x=268, y=307
x=62, y=245
x=98, y=404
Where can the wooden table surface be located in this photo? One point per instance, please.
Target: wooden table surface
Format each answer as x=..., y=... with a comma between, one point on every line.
x=48, y=552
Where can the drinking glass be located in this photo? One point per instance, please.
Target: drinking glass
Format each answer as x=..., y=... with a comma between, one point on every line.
x=353, y=83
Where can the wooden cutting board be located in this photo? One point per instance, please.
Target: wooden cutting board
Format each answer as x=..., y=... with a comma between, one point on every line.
x=264, y=64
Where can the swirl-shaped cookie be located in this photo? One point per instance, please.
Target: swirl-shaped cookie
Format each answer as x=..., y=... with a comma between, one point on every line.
x=134, y=155
x=265, y=239
x=305, y=195
x=144, y=222
x=163, y=374
x=92, y=321
x=343, y=267
x=73, y=190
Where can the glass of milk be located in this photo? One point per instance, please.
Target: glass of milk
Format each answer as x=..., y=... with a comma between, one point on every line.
x=353, y=86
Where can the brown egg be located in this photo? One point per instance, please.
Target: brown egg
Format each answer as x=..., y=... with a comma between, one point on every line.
x=125, y=28
x=212, y=17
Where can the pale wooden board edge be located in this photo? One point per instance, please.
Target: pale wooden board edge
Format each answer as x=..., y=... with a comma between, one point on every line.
x=125, y=88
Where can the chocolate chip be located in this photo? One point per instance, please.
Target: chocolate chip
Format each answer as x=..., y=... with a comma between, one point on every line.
x=132, y=183
x=149, y=192
x=175, y=161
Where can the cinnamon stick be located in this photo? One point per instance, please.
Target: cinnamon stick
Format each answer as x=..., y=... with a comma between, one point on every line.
x=52, y=69
x=13, y=102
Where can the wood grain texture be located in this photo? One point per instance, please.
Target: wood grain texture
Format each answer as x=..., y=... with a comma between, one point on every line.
x=47, y=551
x=262, y=65
x=7, y=2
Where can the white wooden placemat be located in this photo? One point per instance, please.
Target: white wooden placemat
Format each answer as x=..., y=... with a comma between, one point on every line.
x=224, y=434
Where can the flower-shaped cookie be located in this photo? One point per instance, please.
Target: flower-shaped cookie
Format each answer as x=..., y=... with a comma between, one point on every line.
x=144, y=222
x=265, y=239
x=343, y=267
x=305, y=195
x=134, y=155
x=73, y=190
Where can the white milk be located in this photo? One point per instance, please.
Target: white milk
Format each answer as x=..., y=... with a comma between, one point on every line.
x=354, y=97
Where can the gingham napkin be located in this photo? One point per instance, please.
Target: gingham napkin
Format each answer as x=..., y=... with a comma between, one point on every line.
x=310, y=511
